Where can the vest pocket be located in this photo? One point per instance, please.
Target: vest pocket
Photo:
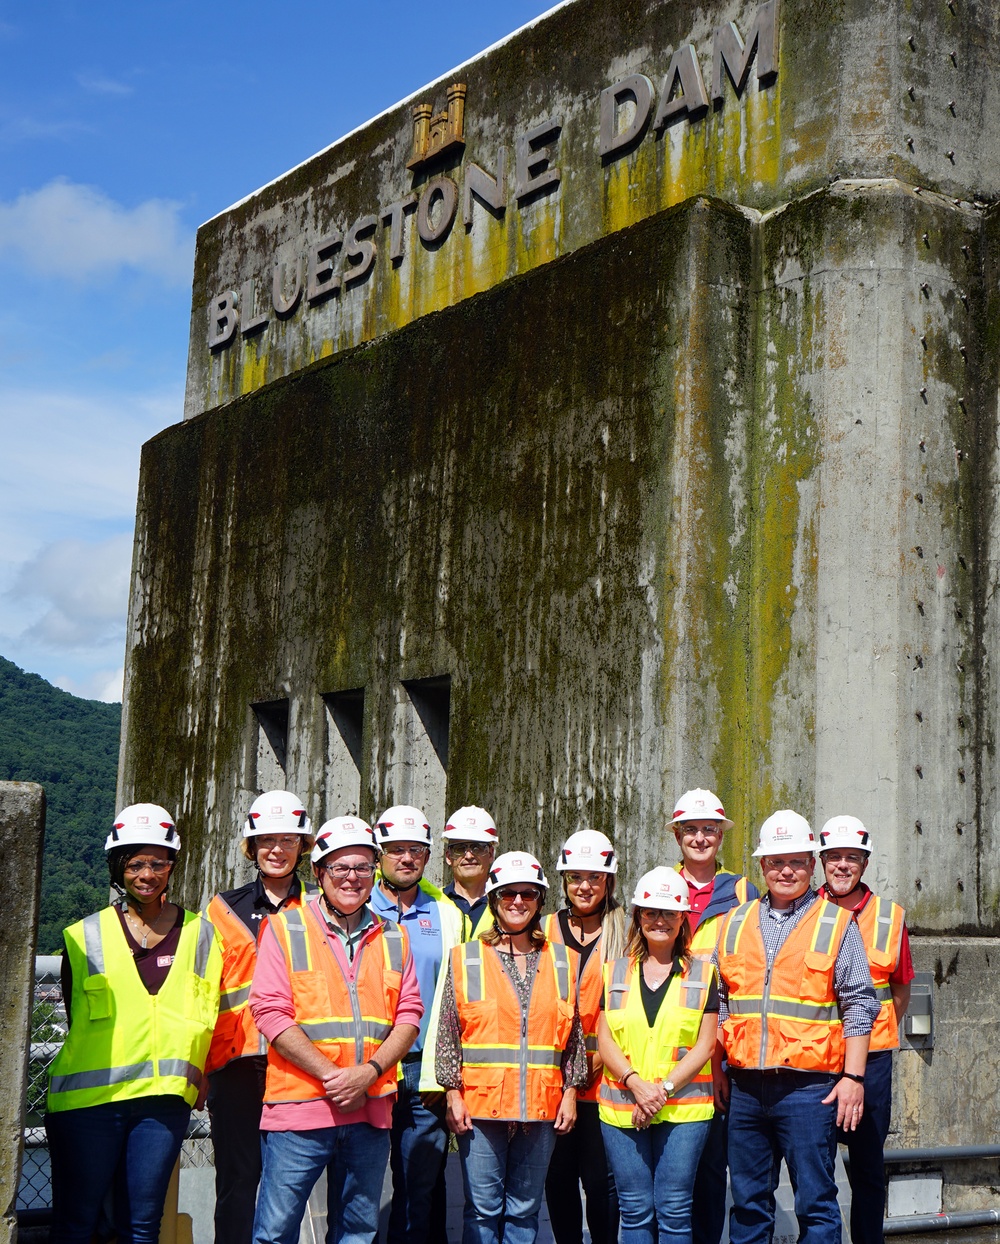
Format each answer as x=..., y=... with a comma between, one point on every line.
x=98, y=995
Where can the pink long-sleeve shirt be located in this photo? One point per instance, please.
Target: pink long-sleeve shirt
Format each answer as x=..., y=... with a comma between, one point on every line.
x=274, y=1011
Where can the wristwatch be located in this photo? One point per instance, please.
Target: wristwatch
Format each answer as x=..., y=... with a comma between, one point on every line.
x=668, y=1087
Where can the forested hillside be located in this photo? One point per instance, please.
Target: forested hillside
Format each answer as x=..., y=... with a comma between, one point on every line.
x=69, y=746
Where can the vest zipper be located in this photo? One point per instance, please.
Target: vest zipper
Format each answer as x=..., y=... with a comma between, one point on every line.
x=524, y=1040
x=352, y=990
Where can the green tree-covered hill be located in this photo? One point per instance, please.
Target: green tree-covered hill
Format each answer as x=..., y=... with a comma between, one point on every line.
x=69, y=746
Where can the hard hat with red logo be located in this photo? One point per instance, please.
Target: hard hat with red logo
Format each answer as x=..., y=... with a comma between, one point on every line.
x=783, y=833
x=402, y=823
x=700, y=805
x=342, y=831
x=589, y=850
x=845, y=831
x=470, y=824
x=143, y=825
x=662, y=888
x=276, y=812
x=513, y=867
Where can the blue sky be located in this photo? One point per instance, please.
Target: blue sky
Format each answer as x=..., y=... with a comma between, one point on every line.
x=122, y=128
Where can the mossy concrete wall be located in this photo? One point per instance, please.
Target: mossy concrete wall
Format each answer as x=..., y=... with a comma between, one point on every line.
x=701, y=492
x=22, y=831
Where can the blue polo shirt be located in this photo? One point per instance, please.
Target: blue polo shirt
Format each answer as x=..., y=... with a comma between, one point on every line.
x=423, y=927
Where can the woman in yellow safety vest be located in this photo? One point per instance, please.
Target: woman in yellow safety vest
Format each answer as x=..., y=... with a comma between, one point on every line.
x=510, y=1054
x=276, y=835
x=141, y=989
x=593, y=924
x=656, y=1036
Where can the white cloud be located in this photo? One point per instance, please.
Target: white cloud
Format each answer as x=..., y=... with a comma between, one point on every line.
x=98, y=84
x=84, y=589
x=106, y=685
x=76, y=232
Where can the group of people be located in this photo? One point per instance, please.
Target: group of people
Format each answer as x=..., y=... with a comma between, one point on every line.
x=361, y=1015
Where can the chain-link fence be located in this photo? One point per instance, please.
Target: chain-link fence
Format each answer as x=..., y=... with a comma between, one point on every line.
x=48, y=1030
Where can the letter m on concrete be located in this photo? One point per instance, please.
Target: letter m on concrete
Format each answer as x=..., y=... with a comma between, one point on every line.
x=728, y=49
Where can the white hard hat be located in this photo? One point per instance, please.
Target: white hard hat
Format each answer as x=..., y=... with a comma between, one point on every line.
x=470, y=824
x=845, y=831
x=143, y=825
x=700, y=805
x=342, y=831
x=590, y=850
x=276, y=812
x=402, y=823
x=512, y=867
x=663, y=888
x=784, y=832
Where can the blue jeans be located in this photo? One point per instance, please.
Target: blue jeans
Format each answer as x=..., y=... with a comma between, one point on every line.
x=865, y=1149
x=130, y=1146
x=504, y=1177
x=354, y=1157
x=419, y=1148
x=775, y=1115
x=654, y=1170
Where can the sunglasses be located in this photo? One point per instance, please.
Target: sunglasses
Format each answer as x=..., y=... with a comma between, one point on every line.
x=508, y=894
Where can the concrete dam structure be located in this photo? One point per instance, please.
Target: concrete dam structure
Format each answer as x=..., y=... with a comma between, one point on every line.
x=617, y=415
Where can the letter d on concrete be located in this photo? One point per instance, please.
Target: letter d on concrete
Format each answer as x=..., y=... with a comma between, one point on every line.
x=22, y=830
x=636, y=87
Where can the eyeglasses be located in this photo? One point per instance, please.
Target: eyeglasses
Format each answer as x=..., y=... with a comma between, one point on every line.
x=798, y=865
x=580, y=878
x=398, y=849
x=159, y=867
x=340, y=872
x=463, y=848
x=657, y=913
x=508, y=894
x=287, y=842
x=692, y=831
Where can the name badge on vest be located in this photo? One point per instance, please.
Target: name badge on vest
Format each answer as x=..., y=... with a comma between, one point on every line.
x=164, y=961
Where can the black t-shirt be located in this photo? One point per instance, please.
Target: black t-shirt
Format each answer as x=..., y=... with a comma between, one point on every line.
x=568, y=937
x=652, y=999
x=251, y=904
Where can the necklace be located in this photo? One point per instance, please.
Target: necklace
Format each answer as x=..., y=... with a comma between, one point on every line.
x=150, y=927
x=656, y=978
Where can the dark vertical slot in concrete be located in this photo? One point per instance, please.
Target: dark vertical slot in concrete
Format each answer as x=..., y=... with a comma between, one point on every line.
x=345, y=719
x=272, y=743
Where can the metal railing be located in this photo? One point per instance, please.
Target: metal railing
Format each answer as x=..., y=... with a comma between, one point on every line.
x=48, y=1031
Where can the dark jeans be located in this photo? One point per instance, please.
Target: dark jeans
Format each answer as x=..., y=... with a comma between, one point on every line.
x=775, y=1115
x=417, y=1158
x=708, y=1204
x=235, y=1098
x=865, y=1148
x=579, y=1158
x=128, y=1146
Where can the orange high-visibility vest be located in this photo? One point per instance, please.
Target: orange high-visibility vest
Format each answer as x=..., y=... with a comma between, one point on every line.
x=512, y=1069
x=705, y=938
x=786, y=1016
x=346, y=1020
x=655, y=1051
x=589, y=988
x=880, y=922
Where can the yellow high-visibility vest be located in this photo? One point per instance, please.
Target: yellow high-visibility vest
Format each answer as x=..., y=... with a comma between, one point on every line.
x=124, y=1042
x=654, y=1052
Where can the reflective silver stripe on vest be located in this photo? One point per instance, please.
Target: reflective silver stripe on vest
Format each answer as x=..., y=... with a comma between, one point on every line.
x=206, y=937
x=343, y=1029
x=180, y=1067
x=473, y=971
x=297, y=944
x=736, y=921
x=825, y=927
x=781, y=1008
x=561, y=956
x=394, y=944
x=233, y=998
x=694, y=984
x=619, y=1097
x=883, y=926
x=93, y=944
x=590, y=1043
x=618, y=985
x=491, y=1056
x=102, y=1078
x=883, y=993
